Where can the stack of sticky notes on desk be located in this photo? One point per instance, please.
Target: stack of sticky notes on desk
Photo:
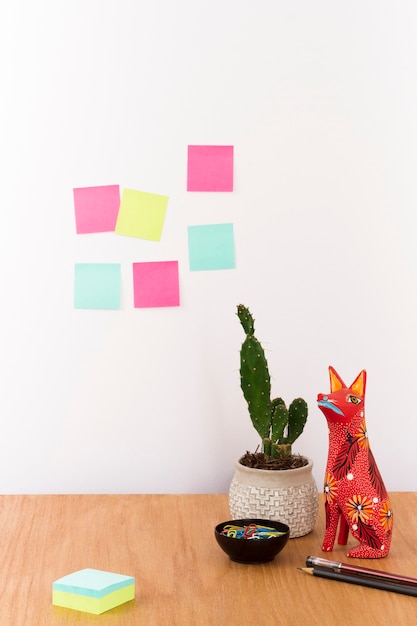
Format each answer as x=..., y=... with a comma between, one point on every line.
x=92, y=590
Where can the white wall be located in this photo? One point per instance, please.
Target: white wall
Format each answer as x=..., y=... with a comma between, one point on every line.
x=319, y=100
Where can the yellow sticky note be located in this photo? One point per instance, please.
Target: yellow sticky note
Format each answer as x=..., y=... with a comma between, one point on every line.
x=86, y=604
x=141, y=214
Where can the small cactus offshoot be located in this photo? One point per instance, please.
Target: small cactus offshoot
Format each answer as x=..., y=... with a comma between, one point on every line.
x=277, y=425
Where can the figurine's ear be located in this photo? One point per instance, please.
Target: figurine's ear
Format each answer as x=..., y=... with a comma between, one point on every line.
x=359, y=384
x=336, y=382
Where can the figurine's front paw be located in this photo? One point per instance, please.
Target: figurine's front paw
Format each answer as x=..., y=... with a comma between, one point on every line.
x=366, y=552
x=327, y=547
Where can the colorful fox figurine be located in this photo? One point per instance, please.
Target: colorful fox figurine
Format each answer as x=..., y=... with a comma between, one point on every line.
x=354, y=489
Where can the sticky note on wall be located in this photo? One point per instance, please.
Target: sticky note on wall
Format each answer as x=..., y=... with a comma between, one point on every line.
x=141, y=214
x=211, y=247
x=97, y=285
x=156, y=284
x=96, y=208
x=210, y=168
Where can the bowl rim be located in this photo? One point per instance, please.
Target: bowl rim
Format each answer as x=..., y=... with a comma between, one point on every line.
x=282, y=526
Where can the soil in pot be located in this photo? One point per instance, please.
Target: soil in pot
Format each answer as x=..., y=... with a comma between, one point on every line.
x=258, y=460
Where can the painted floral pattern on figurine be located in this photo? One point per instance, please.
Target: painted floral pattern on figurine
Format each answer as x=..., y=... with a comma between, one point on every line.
x=359, y=508
x=330, y=487
x=356, y=497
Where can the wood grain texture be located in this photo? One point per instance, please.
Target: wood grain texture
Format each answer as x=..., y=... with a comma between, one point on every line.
x=182, y=577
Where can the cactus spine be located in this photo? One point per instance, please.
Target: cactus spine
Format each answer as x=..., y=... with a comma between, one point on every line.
x=277, y=425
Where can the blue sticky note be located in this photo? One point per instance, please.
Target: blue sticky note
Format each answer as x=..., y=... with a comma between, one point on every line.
x=92, y=582
x=211, y=247
x=97, y=286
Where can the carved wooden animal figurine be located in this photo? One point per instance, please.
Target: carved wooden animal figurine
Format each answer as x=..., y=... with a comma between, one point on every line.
x=354, y=489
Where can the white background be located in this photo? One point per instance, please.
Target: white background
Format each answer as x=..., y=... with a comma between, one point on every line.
x=319, y=100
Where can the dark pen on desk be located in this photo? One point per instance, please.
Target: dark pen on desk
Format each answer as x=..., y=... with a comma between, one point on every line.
x=359, y=572
x=353, y=579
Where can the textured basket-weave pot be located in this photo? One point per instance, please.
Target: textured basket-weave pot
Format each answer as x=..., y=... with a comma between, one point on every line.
x=288, y=496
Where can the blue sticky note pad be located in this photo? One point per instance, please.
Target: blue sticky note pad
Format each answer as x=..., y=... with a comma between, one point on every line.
x=92, y=582
x=97, y=285
x=211, y=247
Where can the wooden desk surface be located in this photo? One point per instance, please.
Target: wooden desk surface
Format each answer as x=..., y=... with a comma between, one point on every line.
x=182, y=577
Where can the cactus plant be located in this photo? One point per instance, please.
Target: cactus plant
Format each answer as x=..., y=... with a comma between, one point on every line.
x=277, y=425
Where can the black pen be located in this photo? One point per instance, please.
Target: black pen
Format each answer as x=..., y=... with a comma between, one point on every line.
x=384, y=585
x=363, y=572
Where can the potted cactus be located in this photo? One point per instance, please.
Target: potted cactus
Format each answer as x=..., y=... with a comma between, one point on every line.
x=277, y=425
x=273, y=482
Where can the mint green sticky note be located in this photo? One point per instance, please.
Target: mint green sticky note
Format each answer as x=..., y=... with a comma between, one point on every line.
x=211, y=247
x=94, y=583
x=97, y=286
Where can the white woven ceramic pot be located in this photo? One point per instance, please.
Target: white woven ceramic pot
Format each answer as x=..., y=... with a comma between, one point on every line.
x=288, y=496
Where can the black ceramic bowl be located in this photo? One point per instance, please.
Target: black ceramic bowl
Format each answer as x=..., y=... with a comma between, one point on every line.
x=245, y=550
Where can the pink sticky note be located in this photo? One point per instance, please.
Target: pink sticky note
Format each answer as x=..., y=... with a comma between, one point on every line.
x=96, y=208
x=210, y=168
x=155, y=284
